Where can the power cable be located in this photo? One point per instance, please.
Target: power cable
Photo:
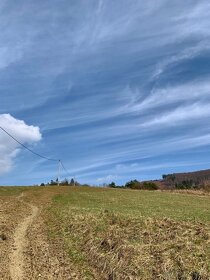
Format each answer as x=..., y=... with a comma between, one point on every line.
x=41, y=156
x=51, y=159
x=64, y=168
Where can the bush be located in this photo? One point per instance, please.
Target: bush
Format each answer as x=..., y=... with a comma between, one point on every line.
x=186, y=184
x=136, y=185
x=149, y=186
x=112, y=185
x=133, y=184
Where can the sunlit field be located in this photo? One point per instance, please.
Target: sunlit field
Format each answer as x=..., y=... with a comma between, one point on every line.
x=127, y=234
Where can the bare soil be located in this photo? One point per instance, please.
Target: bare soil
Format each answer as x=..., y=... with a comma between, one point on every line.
x=26, y=250
x=91, y=233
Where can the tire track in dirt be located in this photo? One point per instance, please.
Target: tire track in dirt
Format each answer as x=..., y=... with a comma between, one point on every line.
x=20, y=244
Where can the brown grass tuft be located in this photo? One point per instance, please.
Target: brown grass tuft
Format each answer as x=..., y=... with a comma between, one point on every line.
x=122, y=248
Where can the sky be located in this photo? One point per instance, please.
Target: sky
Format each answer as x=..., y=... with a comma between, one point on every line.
x=117, y=90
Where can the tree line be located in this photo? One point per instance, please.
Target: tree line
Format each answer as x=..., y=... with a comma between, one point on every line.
x=64, y=182
x=136, y=185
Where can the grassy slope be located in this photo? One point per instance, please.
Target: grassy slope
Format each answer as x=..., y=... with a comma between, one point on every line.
x=138, y=203
x=125, y=234
x=7, y=191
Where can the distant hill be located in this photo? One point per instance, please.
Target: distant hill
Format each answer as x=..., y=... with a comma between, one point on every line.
x=188, y=179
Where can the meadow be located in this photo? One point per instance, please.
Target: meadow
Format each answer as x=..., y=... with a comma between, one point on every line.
x=131, y=234
x=12, y=191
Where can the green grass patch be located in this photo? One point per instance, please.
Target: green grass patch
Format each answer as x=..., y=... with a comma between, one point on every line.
x=127, y=234
x=8, y=191
x=134, y=203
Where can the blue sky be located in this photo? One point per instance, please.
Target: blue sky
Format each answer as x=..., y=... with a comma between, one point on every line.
x=117, y=89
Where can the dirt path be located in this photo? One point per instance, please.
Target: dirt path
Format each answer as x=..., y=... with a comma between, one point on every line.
x=28, y=252
x=20, y=244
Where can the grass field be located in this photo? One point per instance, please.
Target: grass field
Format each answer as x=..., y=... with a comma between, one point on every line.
x=7, y=191
x=126, y=234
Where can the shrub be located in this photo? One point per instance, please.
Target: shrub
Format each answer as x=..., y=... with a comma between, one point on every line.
x=112, y=185
x=133, y=184
x=185, y=184
x=149, y=186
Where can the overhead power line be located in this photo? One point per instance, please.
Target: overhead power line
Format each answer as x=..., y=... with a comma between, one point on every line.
x=60, y=163
x=24, y=146
x=64, y=168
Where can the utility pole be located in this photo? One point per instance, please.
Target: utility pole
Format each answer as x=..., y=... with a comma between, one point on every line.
x=59, y=170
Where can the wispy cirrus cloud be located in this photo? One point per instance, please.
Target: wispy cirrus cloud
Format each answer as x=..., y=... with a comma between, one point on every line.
x=184, y=55
x=107, y=82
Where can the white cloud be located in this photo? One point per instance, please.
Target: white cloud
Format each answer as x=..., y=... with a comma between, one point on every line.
x=185, y=92
x=185, y=54
x=189, y=93
x=9, y=149
x=180, y=115
x=107, y=179
x=196, y=21
x=9, y=55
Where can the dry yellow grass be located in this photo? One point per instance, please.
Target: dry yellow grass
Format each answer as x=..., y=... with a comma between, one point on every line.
x=123, y=234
